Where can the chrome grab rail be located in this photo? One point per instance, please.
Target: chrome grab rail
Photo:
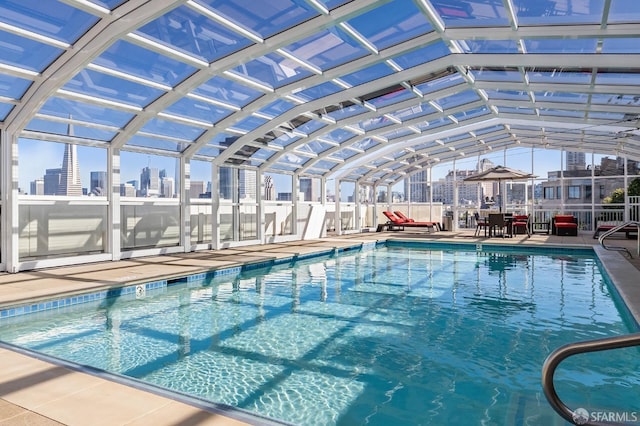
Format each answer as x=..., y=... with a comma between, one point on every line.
x=615, y=229
x=556, y=357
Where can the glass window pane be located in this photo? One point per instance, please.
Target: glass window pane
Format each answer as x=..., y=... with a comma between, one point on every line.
x=26, y=54
x=392, y=23
x=541, y=12
x=13, y=87
x=104, y=86
x=59, y=107
x=188, y=31
x=327, y=49
x=471, y=13
x=50, y=18
x=135, y=60
x=171, y=129
x=203, y=111
x=272, y=70
x=265, y=18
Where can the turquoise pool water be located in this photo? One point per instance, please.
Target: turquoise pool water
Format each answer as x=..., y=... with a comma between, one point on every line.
x=393, y=335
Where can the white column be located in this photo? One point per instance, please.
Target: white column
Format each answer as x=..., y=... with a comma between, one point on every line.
x=10, y=208
x=114, y=225
x=215, y=206
x=295, y=189
x=260, y=206
x=454, y=222
x=337, y=221
x=185, y=201
x=357, y=211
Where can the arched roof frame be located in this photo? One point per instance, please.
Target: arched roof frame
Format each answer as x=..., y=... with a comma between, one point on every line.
x=582, y=133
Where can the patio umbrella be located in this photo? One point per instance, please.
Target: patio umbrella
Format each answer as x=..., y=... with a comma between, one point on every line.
x=499, y=174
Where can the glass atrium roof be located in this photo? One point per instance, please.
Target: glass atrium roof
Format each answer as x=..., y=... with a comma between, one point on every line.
x=361, y=90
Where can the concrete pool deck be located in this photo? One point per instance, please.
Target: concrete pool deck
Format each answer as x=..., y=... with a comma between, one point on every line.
x=36, y=392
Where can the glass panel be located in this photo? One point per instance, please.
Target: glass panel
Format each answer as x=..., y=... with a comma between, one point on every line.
x=265, y=18
x=604, y=99
x=365, y=144
x=108, y=4
x=104, y=86
x=248, y=222
x=50, y=18
x=327, y=49
x=64, y=108
x=488, y=74
x=507, y=95
x=414, y=111
x=516, y=110
x=392, y=97
x=226, y=186
x=467, y=115
x=186, y=30
x=375, y=123
x=277, y=186
x=277, y=107
x=338, y=136
x=578, y=98
x=156, y=143
x=198, y=110
x=310, y=189
x=273, y=70
x=5, y=109
x=172, y=129
x=324, y=165
x=344, y=154
x=61, y=230
x=249, y=123
x=441, y=83
x=559, y=76
x=319, y=91
x=368, y=74
x=26, y=54
x=135, y=60
x=247, y=185
x=345, y=110
x=489, y=46
x=48, y=168
x=315, y=147
x=13, y=87
x=228, y=91
x=147, y=226
x=618, y=78
x=423, y=55
x=150, y=175
x=541, y=12
x=285, y=166
x=471, y=13
x=200, y=179
x=624, y=11
x=391, y=23
x=458, y=99
x=561, y=45
x=56, y=128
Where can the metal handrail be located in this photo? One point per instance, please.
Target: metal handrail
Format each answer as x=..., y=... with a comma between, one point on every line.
x=616, y=229
x=556, y=357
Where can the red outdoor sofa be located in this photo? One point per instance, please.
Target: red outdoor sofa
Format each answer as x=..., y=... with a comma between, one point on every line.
x=399, y=221
x=564, y=225
x=629, y=231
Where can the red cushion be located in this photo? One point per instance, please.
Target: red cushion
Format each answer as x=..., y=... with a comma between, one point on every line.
x=566, y=225
x=564, y=218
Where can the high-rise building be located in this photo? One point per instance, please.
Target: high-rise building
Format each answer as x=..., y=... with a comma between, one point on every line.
x=98, y=184
x=417, y=187
x=52, y=181
x=196, y=189
x=247, y=180
x=269, y=188
x=167, y=187
x=70, y=173
x=311, y=192
x=127, y=190
x=37, y=187
x=149, y=182
x=575, y=161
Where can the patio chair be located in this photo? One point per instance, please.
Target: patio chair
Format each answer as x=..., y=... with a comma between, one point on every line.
x=481, y=223
x=521, y=223
x=497, y=222
x=564, y=225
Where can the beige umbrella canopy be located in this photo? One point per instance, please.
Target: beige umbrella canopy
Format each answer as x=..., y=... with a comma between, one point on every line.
x=499, y=174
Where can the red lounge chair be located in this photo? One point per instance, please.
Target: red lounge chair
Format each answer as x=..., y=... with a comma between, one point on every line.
x=399, y=219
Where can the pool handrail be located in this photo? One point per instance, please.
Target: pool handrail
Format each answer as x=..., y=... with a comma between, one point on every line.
x=615, y=229
x=560, y=354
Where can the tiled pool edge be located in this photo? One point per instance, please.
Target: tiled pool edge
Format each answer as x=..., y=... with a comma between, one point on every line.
x=125, y=289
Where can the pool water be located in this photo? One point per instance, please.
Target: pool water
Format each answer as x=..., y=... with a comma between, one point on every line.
x=392, y=335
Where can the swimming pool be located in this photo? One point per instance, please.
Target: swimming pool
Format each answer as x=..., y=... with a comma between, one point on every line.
x=412, y=334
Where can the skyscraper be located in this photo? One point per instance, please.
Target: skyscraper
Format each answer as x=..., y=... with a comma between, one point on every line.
x=70, y=174
x=269, y=189
x=52, y=181
x=98, y=184
x=149, y=182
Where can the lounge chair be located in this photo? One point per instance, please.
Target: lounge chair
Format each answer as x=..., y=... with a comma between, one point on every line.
x=396, y=223
x=402, y=216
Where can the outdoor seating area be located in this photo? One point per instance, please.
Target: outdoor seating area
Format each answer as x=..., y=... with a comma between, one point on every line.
x=564, y=225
